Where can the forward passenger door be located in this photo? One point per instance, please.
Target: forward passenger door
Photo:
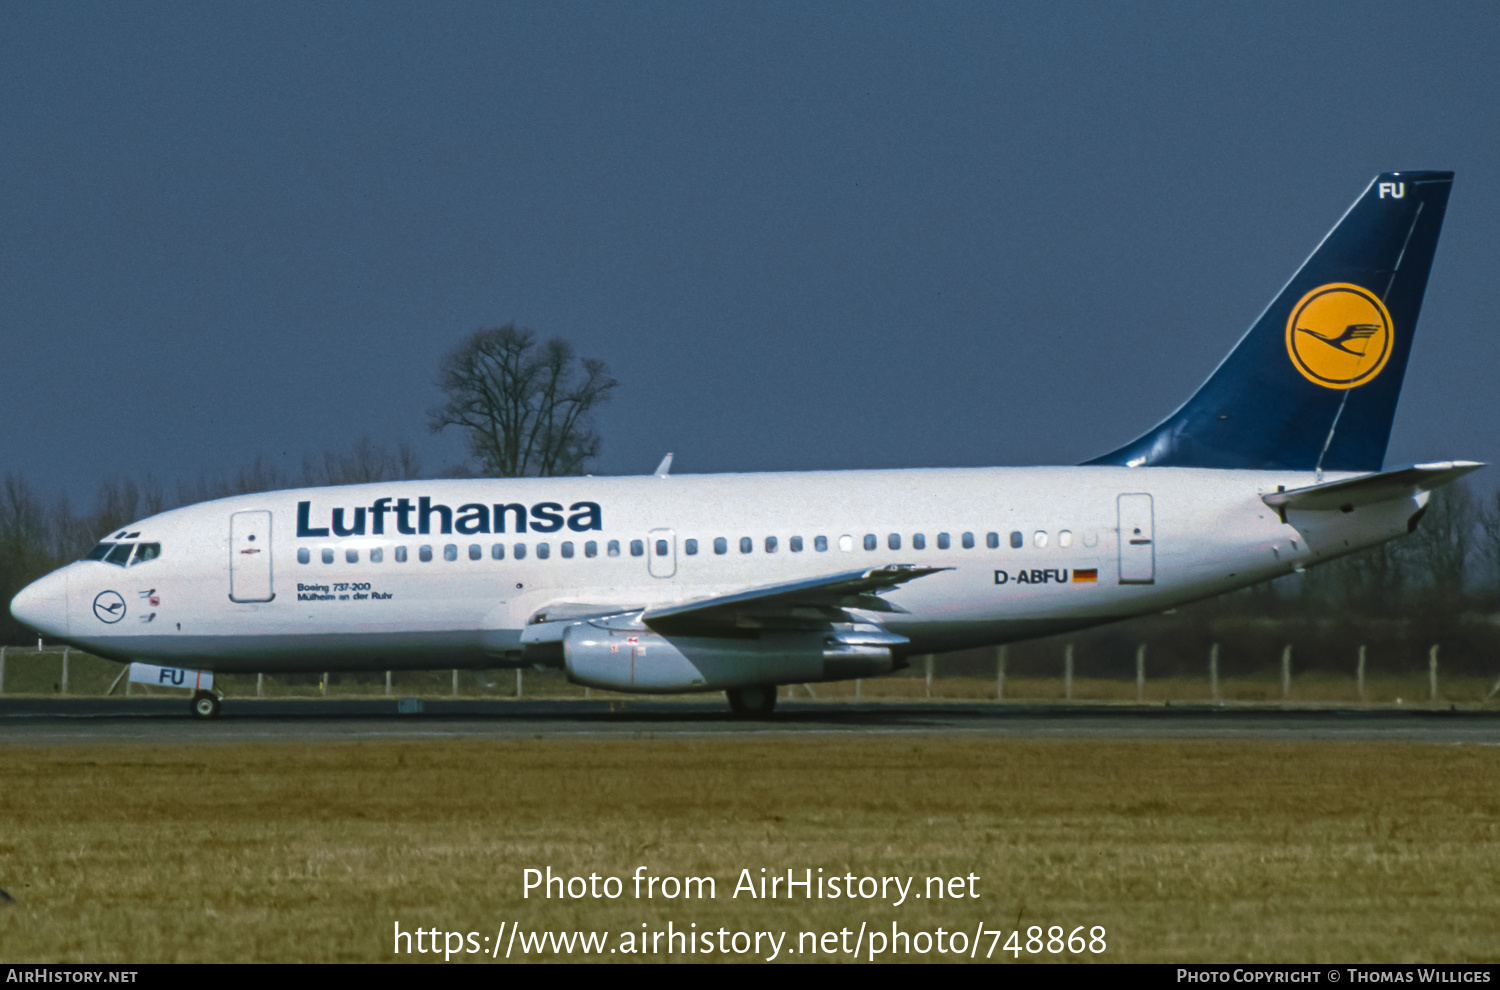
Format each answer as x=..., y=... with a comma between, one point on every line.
x=250, y=557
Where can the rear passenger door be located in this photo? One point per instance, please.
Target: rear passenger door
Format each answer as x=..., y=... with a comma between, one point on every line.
x=1137, y=540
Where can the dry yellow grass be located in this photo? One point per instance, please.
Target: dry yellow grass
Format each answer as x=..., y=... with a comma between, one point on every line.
x=1183, y=851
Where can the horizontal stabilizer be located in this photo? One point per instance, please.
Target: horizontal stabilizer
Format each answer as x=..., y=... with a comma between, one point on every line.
x=1372, y=488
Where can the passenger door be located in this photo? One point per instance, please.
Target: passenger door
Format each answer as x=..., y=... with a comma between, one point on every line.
x=1137, y=539
x=250, y=557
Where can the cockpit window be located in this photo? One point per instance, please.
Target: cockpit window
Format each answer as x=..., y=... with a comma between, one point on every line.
x=120, y=554
x=145, y=552
x=98, y=552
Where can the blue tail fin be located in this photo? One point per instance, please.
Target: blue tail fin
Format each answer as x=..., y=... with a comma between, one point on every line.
x=1314, y=382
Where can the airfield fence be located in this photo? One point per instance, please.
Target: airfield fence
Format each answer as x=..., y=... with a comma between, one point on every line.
x=1017, y=674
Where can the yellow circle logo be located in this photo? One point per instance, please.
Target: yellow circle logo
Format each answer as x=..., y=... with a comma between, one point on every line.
x=1339, y=335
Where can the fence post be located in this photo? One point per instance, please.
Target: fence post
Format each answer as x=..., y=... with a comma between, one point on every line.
x=1432, y=655
x=1000, y=657
x=518, y=682
x=2, y=671
x=65, y=672
x=1286, y=672
x=260, y=686
x=1213, y=672
x=1068, y=672
x=1360, y=672
x=929, y=675
x=858, y=687
x=1140, y=674
x=127, y=680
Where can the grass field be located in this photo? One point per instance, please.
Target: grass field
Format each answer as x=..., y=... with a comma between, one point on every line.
x=1182, y=851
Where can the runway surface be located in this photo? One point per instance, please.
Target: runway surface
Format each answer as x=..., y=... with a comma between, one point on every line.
x=161, y=720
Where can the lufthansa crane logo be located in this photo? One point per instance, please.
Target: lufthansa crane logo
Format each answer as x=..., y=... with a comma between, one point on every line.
x=1339, y=335
x=109, y=607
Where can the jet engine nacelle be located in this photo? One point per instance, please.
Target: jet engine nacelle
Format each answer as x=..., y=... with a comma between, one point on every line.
x=637, y=659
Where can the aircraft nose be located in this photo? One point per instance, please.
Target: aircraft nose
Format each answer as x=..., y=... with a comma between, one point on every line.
x=43, y=605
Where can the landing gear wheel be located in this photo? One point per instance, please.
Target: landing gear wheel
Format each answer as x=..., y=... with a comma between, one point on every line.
x=755, y=701
x=205, y=705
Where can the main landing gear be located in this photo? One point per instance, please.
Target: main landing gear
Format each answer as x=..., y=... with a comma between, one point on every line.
x=205, y=705
x=755, y=701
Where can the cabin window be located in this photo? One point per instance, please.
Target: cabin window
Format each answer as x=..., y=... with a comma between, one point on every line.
x=1017, y=541
x=820, y=544
x=303, y=556
x=746, y=544
x=497, y=551
x=567, y=548
x=145, y=552
x=795, y=544
x=476, y=552
x=351, y=556
x=591, y=549
x=721, y=545
x=637, y=548
x=943, y=541
x=992, y=540
x=327, y=555
x=968, y=541
x=614, y=548
x=377, y=554
x=770, y=544
x=918, y=541
x=400, y=555
x=1065, y=538
x=690, y=547
x=893, y=541
x=846, y=543
x=424, y=553
x=121, y=553
x=661, y=548
x=1040, y=539
x=870, y=542
x=450, y=551
x=519, y=551
x=543, y=551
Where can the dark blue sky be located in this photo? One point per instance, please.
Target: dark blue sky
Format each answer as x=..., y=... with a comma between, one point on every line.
x=802, y=236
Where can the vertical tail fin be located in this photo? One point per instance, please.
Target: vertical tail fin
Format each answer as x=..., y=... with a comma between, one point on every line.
x=1314, y=383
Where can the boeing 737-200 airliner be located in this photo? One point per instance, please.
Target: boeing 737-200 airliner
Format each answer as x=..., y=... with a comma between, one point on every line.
x=741, y=582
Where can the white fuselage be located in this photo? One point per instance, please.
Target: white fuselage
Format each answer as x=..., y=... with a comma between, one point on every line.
x=1085, y=556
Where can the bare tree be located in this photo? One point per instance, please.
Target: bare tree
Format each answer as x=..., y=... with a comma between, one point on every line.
x=526, y=408
x=1441, y=546
x=367, y=462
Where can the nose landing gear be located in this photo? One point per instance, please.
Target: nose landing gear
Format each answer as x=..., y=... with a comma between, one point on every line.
x=205, y=705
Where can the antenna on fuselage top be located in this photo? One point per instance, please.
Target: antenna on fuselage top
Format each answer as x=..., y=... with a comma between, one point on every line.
x=664, y=468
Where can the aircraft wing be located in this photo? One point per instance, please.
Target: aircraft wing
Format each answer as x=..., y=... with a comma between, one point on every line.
x=1382, y=487
x=787, y=605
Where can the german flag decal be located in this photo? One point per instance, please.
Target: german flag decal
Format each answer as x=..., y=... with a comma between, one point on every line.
x=1090, y=576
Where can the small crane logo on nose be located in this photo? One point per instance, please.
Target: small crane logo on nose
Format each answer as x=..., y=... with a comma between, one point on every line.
x=109, y=607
